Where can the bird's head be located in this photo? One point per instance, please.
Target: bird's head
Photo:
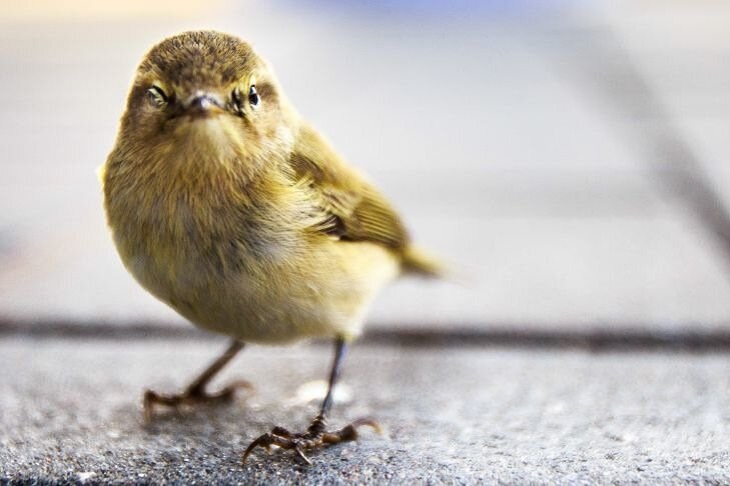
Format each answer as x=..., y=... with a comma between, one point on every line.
x=207, y=96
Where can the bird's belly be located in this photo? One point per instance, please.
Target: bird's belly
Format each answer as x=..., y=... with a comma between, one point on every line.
x=252, y=313
x=289, y=294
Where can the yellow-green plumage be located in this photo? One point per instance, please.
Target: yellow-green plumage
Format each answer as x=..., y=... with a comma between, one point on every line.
x=239, y=215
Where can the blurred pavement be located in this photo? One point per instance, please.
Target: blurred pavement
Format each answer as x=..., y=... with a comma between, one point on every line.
x=483, y=130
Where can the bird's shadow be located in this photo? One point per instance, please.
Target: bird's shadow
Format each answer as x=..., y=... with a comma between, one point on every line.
x=202, y=419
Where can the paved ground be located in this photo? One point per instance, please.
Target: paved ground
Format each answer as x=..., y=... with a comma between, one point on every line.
x=71, y=411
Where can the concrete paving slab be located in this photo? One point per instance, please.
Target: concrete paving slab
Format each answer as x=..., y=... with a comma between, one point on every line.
x=71, y=412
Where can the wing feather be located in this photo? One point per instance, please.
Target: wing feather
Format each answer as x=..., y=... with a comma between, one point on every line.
x=353, y=209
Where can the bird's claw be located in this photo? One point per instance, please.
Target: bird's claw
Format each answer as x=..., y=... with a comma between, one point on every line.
x=315, y=436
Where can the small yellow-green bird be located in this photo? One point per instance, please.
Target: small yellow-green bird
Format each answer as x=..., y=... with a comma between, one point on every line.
x=229, y=207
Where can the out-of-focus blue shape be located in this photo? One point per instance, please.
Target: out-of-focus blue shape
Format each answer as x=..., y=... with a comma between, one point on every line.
x=440, y=7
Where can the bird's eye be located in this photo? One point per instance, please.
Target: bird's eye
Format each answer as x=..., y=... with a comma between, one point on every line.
x=157, y=96
x=253, y=96
x=238, y=103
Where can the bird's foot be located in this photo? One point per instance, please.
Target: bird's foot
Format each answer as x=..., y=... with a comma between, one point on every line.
x=315, y=436
x=194, y=395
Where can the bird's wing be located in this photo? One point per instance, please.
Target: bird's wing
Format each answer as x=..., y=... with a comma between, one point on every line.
x=353, y=208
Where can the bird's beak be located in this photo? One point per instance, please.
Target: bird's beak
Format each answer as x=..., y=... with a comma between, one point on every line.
x=203, y=104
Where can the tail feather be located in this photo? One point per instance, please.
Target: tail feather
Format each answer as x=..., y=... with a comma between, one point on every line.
x=418, y=262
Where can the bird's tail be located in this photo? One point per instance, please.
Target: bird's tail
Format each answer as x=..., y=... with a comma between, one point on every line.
x=418, y=262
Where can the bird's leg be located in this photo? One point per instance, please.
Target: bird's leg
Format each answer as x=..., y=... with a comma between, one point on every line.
x=316, y=434
x=195, y=392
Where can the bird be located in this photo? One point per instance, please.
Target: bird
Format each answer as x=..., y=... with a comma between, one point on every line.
x=224, y=203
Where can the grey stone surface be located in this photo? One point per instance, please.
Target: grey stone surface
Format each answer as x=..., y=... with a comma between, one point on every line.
x=70, y=410
x=497, y=156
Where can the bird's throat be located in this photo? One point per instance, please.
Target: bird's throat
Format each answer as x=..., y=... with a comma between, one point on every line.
x=210, y=137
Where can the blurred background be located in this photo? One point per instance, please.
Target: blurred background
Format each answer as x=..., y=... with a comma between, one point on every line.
x=569, y=158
